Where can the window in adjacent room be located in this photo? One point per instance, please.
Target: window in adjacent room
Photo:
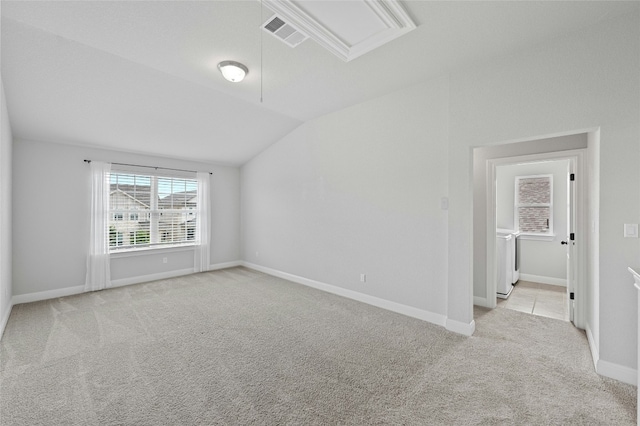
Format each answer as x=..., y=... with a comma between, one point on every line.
x=151, y=210
x=534, y=205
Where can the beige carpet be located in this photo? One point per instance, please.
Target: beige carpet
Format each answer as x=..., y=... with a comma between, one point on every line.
x=238, y=347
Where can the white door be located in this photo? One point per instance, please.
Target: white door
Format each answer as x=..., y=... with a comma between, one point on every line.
x=571, y=239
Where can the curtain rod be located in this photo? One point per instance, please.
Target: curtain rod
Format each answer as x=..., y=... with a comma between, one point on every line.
x=151, y=167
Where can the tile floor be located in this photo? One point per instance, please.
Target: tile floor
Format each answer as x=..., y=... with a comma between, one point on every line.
x=538, y=299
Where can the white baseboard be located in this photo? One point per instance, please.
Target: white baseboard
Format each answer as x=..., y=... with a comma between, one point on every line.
x=464, y=328
x=481, y=301
x=617, y=372
x=595, y=353
x=544, y=280
x=151, y=277
x=410, y=311
x=609, y=369
x=45, y=295
x=69, y=291
x=170, y=274
x=5, y=320
x=225, y=265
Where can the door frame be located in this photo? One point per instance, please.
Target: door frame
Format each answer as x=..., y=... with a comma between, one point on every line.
x=579, y=156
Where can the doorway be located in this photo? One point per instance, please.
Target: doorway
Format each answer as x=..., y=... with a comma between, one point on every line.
x=532, y=208
x=485, y=160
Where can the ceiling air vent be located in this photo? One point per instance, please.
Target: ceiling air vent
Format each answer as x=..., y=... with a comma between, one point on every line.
x=284, y=31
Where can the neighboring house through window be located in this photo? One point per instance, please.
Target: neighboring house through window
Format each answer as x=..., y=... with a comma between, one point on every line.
x=151, y=210
x=534, y=204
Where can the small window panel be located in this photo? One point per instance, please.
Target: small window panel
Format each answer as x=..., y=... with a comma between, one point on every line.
x=534, y=204
x=151, y=210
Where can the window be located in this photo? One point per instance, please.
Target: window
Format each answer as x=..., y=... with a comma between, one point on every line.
x=115, y=237
x=534, y=205
x=151, y=210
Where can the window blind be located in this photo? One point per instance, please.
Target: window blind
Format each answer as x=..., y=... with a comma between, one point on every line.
x=151, y=208
x=534, y=204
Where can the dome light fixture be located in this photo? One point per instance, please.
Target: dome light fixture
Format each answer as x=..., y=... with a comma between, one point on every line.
x=233, y=71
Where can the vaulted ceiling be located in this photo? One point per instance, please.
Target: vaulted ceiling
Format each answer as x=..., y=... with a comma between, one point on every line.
x=141, y=76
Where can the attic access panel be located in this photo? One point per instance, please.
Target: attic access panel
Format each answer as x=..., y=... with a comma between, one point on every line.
x=347, y=29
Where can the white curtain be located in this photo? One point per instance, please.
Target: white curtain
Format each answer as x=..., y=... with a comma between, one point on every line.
x=201, y=262
x=98, y=265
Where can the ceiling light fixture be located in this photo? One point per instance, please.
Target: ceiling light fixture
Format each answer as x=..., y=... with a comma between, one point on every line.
x=233, y=71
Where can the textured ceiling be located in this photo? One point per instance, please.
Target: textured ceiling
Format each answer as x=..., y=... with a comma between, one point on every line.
x=141, y=75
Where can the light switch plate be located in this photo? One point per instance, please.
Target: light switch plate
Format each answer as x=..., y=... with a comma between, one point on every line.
x=631, y=230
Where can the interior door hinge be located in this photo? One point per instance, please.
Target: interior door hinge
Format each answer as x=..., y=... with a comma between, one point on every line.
x=572, y=177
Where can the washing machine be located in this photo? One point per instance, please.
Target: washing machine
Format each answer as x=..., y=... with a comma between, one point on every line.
x=508, y=272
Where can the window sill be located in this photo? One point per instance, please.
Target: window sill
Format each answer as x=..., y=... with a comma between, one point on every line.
x=537, y=237
x=142, y=251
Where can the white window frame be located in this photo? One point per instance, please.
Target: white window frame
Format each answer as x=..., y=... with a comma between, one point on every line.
x=153, y=213
x=516, y=210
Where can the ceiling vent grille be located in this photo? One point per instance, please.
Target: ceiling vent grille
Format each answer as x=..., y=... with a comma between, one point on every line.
x=348, y=29
x=284, y=31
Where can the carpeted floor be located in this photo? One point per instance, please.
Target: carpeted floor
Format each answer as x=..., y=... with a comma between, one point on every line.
x=238, y=347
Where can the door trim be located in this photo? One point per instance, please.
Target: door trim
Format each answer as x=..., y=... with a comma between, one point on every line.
x=579, y=156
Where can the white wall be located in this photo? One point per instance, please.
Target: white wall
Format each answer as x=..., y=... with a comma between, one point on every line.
x=586, y=80
x=358, y=191
x=540, y=258
x=50, y=244
x=319, y=204
x=6, y=143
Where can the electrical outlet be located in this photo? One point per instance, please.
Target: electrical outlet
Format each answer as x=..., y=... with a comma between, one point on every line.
x=631, y=230
x=164, y=260
x=363, y=278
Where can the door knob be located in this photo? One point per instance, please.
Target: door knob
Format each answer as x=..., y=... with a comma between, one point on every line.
x=563, y=242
